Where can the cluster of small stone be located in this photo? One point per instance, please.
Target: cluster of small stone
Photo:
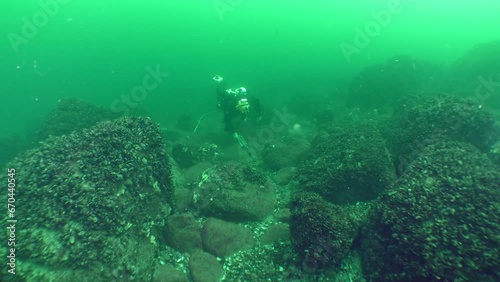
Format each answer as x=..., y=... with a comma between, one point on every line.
x=273, y=262
x=279, y=262
x=95, y=199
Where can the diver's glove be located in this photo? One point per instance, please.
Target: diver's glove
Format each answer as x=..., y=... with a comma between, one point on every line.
x=241, y=140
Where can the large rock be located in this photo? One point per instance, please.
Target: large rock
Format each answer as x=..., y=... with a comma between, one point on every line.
x=222, y=238
x=72, y=114
x=285, y=152
x=348, y=162
x=419, y=121
x=93, y=201
x=276, y=233
x=383, y=84
x=284, y=175
x=235, y=192
x=168, y=273
x=183, y=233
x=440, y=222
x=204, y=267
x=477, y=74
x=323, y=233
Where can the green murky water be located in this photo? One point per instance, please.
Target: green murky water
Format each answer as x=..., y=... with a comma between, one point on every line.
x=329, y=77
x=98, y=50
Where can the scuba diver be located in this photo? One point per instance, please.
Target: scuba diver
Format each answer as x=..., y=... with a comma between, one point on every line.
x=238, y=107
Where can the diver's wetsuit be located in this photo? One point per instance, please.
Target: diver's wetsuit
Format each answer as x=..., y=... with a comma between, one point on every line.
x=228, y=102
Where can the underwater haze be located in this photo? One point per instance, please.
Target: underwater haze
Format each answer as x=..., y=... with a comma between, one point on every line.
x=98, y=50
x=238, y=140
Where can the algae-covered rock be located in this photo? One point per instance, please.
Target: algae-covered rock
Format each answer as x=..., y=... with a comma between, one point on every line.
x=323, y=233
x=204, y=267
x=440, y=222
x=93, y=201
x=235, y=192
x=72, y=114
x=348, y=162
x=419, y=121
x=222, y=238
x=183, y=233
